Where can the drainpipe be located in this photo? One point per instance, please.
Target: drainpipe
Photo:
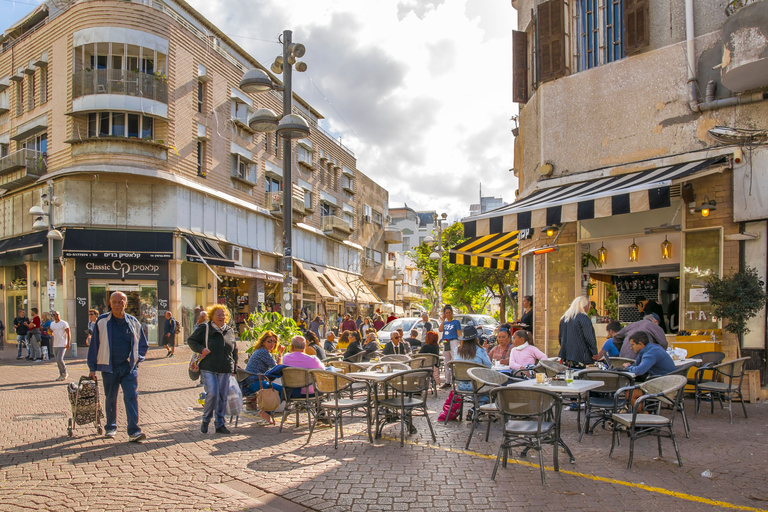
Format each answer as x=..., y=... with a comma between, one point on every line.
x=693, y=83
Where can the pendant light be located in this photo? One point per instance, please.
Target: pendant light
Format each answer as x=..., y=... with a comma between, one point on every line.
x=666, y=249
x=602, y=254
x=634, y=251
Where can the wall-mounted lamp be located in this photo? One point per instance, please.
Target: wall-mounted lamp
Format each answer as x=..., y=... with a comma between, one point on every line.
x=209, y=286
x=551, y=230
x=634, y=251
x=602, y=254
x=666, y=249
x=172, y=282
x=34, y=283
x=706, y=207
x=1, y=287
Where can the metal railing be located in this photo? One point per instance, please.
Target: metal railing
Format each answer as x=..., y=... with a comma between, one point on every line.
x=329, y=222
x=119, y=81
x=274, y=202
x=34, y=161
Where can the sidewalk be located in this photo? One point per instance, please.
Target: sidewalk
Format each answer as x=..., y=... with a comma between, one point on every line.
x=258, y=468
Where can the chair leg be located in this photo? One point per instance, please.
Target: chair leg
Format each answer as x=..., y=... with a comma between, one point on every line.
x=498, y=459
x=741, y=397
x=488, y=428
x=429, y=423
x=613, y=439
x=341, y=424
x=585, y=428
x=336, y=430
x=311, y=428
x=631, y=447
x=658, y=438
x=285, y=415
x=402, y=428
x=556, y=448
x=541, y=459
x=368, y=418
x=677, y=450
x=474, y=422
x=686, y=426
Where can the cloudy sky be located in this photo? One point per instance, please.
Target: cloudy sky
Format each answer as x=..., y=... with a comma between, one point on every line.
x=420, y=90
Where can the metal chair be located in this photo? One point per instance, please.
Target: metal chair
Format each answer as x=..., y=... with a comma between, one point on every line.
x=708, y=360
x=682, y=370
x=416, y=364
x=391, y=366
x=332, y=385
x=732, y=375
x=332, y=358
x=297, y=378
x=600, y=403
x=431, y=361
x=668, y=388
x=399, y=358
x=532, y=418
x=617, y=363
x=550, y=368
x=460, y=375
x=345, y=367
x=410, y=388
x=486, y=380
x=357, y=358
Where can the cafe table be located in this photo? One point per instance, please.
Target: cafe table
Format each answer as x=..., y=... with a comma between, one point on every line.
x=576, y=388
x=374, y=378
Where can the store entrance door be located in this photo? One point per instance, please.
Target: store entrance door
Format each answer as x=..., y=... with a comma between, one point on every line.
x=142, y=303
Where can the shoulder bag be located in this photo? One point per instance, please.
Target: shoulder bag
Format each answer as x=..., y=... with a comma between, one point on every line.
x=194, y=362
x=267, y=398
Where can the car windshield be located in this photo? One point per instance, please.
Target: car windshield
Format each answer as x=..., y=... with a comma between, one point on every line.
x=405, y=323
x=478, y=320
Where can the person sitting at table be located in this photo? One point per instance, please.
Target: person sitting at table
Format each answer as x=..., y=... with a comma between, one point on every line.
x=432, y=346
x=298, y=359
x=395, y=345
x=330, y=342
x=469, y=350
x=413, y=341
x=355, y=346
x=652, y=360
x=523, y=353
x=503, y=344
x=260, y=362
x=646, y=325
x=314, y=344
x=371, y=345
x=609, y=347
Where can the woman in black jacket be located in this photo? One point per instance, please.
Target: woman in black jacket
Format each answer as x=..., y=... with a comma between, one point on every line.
x=577, y=335
x=215, y=340
x=354, y=344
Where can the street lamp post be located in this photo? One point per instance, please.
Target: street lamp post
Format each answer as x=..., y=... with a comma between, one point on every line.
x=438, y=255
x=288, y=126
x=39, y=214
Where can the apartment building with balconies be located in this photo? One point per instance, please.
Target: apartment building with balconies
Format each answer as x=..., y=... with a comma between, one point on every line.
x=131, y=110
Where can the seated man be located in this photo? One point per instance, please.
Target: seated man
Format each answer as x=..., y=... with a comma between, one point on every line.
x=330, y=342
x=414, y=342
x=609, y=347
x=396, y=345
x=652, y=360
x=298, y=359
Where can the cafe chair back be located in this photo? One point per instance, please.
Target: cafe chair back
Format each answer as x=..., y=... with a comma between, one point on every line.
x=391, y=366
x=725, y=385
x=462, y=393
x=357, y=358
x=409, y=395
x=431, y=361
x=550, y=368
x=681, y=370
x=645, y=417
x=531, y=419
x=400, y=358
x=708, y=360
x=486, y=380
x=599, y=403
x=296, y=379
x=329, y=390
x=346, y=367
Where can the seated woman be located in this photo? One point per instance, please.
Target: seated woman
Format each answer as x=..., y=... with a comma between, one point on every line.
x=469, y=350
x=260, y=362
x=523, y=353
x=501, y=351
x=354, y=347
x=431, y=345
x=371, y=346
x=314, y=344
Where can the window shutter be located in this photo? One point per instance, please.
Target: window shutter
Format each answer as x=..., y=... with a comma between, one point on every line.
x=519, y=67
x=551, y=26
x=637, y=30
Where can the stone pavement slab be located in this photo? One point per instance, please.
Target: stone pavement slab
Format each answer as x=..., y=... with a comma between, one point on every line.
x=259, y=468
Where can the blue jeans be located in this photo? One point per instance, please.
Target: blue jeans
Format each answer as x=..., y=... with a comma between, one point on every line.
x=122, y=376
x=21, y=339
x=216, y=389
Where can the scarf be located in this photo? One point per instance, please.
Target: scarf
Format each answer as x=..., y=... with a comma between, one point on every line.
x=521, y=347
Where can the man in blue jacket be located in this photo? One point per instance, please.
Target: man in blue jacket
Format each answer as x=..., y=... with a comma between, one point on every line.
x=118, y=345
x=652, y=360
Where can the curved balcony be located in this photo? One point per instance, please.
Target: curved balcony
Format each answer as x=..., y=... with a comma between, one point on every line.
x=117, y=89
x=745, y=59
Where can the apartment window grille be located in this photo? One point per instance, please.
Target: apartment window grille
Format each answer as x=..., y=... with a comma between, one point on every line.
x=201, y=159
x=43, y=84
x=200, y=96
x=30, y=92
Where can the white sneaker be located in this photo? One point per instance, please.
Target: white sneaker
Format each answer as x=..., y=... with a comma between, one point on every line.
x=137, y=437
x=61, y=378
x=110, y=433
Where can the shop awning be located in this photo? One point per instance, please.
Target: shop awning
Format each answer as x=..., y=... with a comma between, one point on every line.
x=336, y=284
x=314, y=275
x=24, y=244
x=209, y=250
x=498, y=251
x=105, y=244
x=615, y=195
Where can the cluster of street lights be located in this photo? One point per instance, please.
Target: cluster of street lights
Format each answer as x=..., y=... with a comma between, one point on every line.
x=437, y=254
x=289, y=127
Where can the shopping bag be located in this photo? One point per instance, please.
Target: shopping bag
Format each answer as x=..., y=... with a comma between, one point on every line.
x=451, y=408
x=234, y=398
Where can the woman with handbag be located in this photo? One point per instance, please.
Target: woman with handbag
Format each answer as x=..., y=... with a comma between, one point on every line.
x=265, y=351
x=215, y=341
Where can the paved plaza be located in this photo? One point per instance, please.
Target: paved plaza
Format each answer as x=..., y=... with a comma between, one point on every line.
x=258, y=468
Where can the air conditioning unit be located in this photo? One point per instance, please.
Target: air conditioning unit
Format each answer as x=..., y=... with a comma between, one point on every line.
x=236, y=254
x=388, y=218
x=367, y=218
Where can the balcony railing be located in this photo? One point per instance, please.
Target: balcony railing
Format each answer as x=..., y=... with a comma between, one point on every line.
x=22, y=167
x=274, y=203
x=331, y=222
x=118, y=81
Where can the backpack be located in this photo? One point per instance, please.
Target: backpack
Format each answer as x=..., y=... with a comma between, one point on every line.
x=177, y=329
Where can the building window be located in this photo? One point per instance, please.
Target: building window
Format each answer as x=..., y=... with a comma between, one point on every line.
x=377, y=218
x=327, y=210
x=600, y=27
x=201, y=159
x=37, y=142
x=240, y=112
x=243, y=169
x=367, y=213
x=120, y=124
x=273, y=184
x=3, y=150
x=30, y=92
x=349, y=219
x=200, y=96
x=308, y=199
x=19, y=98
x=406, y=243
x=304, y=155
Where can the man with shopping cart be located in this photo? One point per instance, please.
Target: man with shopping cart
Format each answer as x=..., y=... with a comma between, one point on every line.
x=118, y=345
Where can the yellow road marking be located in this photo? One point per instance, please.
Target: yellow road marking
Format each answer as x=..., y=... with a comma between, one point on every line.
x=658, y=490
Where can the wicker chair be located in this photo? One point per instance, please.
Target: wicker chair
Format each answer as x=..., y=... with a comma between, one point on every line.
x=398, y=358
x=708, y=360
x=297, y=378
x=617, y=363
x=357, y=358
x=332, y=385
x=392, y=366
x=345, y=367
x=550, y=368
x=682, y=370
x=410, y=393
x=430, y=361
x=600, y=403
x=417, y=363
x=732, y=375
x=532, y=418
x=459, y=371
x=486, y=380
x=668, y=388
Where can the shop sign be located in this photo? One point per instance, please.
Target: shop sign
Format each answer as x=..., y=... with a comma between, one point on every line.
x=242, y=300
x=261, y=296
x=525, y=234
x=123, y=269
x=118, y=255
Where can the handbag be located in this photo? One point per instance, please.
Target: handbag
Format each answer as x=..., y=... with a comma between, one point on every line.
x=451, y=408
x=194, y=361
x=267, y=398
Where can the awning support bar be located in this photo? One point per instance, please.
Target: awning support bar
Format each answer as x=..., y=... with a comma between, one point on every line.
x=194, y=249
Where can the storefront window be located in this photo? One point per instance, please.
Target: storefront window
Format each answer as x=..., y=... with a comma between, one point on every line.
x=193, y=288
x=16, y=293
x=233, y=293
x=560, y=292
x=142, y=303
x=702, y=259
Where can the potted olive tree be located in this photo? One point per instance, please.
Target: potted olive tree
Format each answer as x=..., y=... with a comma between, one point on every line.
x=737, y=298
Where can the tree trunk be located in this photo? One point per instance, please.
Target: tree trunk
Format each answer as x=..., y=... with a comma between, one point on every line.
x=502, y=307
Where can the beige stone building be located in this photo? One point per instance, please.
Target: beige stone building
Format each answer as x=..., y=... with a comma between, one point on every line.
x=131, y=111
x=642, y=127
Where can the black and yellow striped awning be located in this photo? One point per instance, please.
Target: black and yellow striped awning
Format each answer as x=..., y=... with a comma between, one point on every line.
x=499, y=251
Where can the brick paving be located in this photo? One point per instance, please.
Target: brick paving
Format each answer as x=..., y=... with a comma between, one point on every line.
x=258, y=468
